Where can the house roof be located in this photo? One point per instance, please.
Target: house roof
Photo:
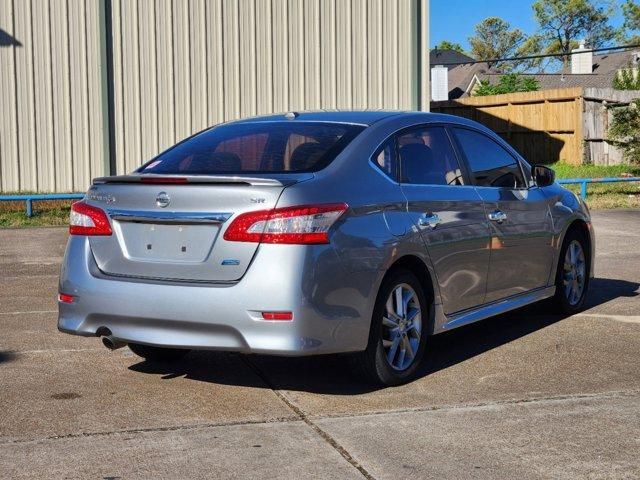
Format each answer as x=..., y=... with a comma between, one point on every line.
x=605, y=68
x=608, y=63
x=460, y=77
x=445, y=57
x=549, y=81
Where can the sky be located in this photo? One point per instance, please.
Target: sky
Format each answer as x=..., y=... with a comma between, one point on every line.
x=454, y=20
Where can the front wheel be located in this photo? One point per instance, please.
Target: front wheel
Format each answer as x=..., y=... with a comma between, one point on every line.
x=398, y=331
x=158, y=354
x=572, y=276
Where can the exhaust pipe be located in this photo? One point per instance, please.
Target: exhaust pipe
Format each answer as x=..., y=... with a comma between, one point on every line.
x=112, y=343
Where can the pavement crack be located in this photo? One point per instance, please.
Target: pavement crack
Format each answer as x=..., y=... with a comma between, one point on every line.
x=481, y=405
x=173, y=428
x=300, y=415
x=333, y=443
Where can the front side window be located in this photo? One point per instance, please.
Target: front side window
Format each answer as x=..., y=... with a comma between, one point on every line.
x=490, y=164
x=427, y=158
x=277, y=147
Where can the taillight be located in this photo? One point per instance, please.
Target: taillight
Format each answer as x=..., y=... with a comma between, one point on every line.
x=88, y=220
x=307, y=224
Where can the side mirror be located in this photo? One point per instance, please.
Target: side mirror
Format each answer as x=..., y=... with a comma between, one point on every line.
x=543, y=175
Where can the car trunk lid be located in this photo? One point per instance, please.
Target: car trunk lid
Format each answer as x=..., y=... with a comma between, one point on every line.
x=170, y=228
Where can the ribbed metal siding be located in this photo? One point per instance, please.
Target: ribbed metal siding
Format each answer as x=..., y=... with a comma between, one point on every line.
x=210, y=61
x=51, y=125
x=182, y=65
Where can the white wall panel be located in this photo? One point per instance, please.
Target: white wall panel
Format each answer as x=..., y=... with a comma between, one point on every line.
x=42, y=72
x=60, y=100
x=149, y=111
x=215, y=60
x=359, y=58
x=78, y=95
x=9, y=159
x=312, y=49
x=164, y=80
x=264, y=58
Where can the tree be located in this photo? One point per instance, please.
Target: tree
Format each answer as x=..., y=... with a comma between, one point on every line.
x=509, y=83
x=533, y=45
x=563, y=23
x=447, y=45
x=627, y=79
x=624, y=131
x=631, y=14
x=494, y=38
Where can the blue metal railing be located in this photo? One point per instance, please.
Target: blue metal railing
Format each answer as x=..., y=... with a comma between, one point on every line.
x=29, y=199
x=584, y=181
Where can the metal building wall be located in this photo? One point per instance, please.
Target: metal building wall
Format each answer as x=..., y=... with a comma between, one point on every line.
x=178, y=66
x=181, y=66
x=51, y=95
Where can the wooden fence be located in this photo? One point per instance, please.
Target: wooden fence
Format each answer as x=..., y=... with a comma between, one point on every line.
x=547, y=126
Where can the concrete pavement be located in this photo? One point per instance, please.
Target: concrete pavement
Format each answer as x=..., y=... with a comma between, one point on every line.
x=525, y=395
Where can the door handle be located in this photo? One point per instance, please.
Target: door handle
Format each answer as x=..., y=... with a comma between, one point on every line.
x=429, y=220
x=497, y=216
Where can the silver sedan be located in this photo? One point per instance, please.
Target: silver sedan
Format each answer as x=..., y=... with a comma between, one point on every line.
x=321, y=232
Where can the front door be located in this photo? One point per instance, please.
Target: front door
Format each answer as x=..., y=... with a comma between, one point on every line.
x=518, y=215
x=448, y=213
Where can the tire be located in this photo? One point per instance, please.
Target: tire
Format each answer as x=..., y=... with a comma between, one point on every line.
x=567, y=300
x=375, y=361
x=158, y=354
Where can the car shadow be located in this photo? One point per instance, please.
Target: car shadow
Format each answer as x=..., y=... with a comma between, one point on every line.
x=332, y=374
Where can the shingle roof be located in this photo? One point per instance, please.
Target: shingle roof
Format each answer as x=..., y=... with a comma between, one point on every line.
x=608, y=63
x=549, y=81
x=443, y=57
x=605, y=68
x=460, y=77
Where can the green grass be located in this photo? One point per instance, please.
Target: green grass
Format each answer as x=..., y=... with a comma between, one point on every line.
x=45, y=214
x=604, y=195
x=564, y=170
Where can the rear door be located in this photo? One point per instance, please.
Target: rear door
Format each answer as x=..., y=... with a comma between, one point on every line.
x=518, y=215
x=448, y=213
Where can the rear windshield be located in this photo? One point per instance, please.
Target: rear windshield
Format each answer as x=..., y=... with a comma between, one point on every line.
x=255, y=148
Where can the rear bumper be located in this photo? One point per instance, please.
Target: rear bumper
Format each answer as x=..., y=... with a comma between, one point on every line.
x=331, y=309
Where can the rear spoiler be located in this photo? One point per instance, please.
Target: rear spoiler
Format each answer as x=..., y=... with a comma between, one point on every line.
x=198, y=179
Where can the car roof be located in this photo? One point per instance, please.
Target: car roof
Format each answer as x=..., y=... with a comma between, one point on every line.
x=360, y=117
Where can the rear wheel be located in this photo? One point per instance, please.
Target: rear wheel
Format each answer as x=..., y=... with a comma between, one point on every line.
x=398, y=331
x=158, y=354
x=572, y=276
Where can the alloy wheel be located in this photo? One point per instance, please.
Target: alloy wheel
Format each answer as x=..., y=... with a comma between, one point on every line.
x=573, y=278
x=401, y=327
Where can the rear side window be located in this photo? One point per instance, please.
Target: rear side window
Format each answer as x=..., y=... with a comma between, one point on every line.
x=255, y=148
x=385, y=158
x=490, y=164
x=427, y=158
